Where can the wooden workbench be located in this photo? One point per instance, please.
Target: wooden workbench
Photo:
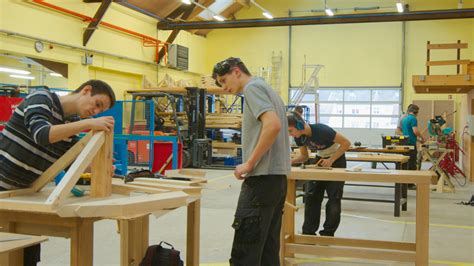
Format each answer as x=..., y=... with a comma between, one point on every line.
x=400, y=198
x=359, y=248
x=15, y=244
x=53, y=211
x=134, y=230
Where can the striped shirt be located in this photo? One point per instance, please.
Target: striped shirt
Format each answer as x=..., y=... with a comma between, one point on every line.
x=25, y=150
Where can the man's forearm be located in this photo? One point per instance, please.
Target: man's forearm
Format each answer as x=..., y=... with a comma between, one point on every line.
x=299, y=159
x=64, y=131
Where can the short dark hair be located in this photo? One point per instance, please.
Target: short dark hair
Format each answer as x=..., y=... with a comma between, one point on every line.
x=299, y=109
x=409, y=106
x=226, y=66
x=293, y=118
x=413, y=109
x=99, y=87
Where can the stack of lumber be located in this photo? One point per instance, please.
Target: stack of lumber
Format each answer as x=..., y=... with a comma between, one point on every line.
x=207, y=81
x=223, y=120
x=227, y=148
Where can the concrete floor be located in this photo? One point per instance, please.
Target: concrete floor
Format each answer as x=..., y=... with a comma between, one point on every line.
x=451, y=227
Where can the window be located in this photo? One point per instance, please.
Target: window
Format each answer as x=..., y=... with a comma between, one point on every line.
x=355, y=107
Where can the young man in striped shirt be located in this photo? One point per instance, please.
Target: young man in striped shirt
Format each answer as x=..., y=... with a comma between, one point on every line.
x=44, y=126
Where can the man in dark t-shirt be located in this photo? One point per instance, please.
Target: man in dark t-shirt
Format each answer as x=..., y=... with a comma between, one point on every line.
x=330, y=149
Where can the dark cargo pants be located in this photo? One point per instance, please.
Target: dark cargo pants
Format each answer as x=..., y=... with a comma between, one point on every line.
x=257, y=221
x=314, y=195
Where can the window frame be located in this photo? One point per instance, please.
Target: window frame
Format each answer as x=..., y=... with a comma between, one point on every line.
x=371, y=102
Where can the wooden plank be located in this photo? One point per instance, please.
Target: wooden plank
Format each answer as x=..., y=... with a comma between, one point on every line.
x=351, y=242
x=442, y=84
x=101, y=169
x=447, y=46
x=352, y=252
x=77, y=168
x=387, y=176
x=192, y=233
x=16, y=192
x=10, y=242
x=136, y=205
x=167, y=181
x=126, y=189
x=61, y=163
x=422, y=224
x=447, y=62
x=169, y=187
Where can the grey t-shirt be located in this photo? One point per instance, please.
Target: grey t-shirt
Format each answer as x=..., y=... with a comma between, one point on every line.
x=260, y=98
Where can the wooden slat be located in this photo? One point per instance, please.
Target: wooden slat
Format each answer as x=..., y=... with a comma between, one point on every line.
x=350, y=242
x=352, y=252
x=77, y=168
x=447, y=62
x=61, y=163
x=101, y=169
x=447, y=46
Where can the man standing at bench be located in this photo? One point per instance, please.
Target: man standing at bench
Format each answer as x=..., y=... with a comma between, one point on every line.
x=266, y=163
x=331, y=147
x=40, y=130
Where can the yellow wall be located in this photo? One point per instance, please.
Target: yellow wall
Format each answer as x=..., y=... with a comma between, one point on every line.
x=364, y=54
x=30, y=19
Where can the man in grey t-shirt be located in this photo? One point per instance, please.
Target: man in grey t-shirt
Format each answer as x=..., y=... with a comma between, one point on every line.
x=266, y=163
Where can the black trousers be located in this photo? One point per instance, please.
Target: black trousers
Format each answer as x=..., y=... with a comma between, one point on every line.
x=412, y=162
x=314, y=195
x=257, y=221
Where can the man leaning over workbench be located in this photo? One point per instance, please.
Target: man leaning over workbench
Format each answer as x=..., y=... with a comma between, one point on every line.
x=331, y=147
x=40, y=131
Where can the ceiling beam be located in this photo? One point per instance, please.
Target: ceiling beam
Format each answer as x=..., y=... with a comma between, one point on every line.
x=174, y=33
x=318, y=20
x=95, y=22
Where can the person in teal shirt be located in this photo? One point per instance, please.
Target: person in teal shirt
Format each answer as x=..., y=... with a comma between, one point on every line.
x=410, y=128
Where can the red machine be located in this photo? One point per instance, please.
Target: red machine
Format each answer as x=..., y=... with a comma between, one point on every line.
x=7, y=107
x=448, y=163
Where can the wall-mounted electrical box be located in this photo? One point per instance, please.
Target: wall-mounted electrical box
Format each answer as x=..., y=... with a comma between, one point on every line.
x=178, y=57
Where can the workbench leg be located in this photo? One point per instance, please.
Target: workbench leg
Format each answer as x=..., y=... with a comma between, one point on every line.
x=10, y=258
x=405, y=196
x=422, y=224
x=134, y=238
x=289, y=219
x=192, y=233
x=397, y=199
x=82, y=243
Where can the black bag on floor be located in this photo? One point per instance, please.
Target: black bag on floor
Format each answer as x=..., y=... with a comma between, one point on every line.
x=157, y=255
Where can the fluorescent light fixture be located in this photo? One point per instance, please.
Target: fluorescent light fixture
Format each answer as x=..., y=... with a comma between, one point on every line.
x=265, y=12
x=14, y=71
x=215, y=15
x=399, y=7
x=218, y=17
x=187, y=2
x=329, y=12
x=55, y=74
x=22, y=77
x=267, y=15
